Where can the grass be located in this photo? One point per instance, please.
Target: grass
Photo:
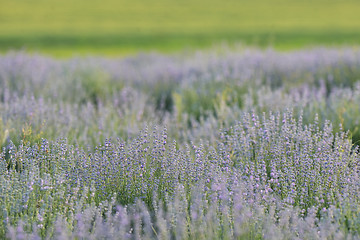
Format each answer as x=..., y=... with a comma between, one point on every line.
x=64, y=28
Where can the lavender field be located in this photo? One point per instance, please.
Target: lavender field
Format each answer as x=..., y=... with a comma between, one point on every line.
x=219, y=144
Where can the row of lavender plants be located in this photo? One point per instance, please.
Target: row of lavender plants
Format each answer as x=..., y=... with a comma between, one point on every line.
x=223, y=144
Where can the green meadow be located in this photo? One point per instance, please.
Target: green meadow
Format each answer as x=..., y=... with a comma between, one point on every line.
x=119, y=27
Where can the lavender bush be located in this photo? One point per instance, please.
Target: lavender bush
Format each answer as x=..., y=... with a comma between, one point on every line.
x=211, y=145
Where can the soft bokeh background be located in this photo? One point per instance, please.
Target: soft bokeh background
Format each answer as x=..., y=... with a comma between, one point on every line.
x=121, y=27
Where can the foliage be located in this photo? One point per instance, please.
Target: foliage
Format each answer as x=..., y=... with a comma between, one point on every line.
x=212, y=145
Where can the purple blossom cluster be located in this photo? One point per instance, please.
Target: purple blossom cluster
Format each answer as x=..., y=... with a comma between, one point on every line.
x=216, y=145
x=269, y=176
x=88, y=100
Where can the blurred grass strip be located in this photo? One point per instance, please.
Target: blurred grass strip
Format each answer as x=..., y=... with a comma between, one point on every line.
x=121, y=27
x=113, y=45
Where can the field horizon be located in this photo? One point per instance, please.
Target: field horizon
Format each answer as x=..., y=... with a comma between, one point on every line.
x=109, y=28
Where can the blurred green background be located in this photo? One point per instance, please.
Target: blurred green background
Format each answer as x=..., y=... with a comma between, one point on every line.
x=119, y=27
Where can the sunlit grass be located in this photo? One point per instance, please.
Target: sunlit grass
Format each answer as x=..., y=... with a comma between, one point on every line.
x=112, y=27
